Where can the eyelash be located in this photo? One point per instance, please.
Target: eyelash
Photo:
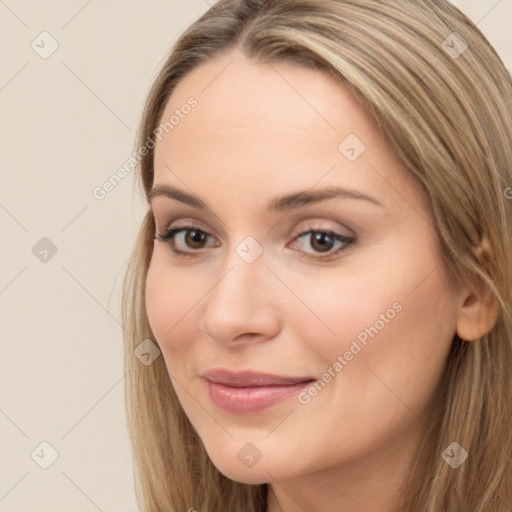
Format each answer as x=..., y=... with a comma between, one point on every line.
x=169, y=235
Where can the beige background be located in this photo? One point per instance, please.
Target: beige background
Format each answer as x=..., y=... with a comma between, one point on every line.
x=67, y=123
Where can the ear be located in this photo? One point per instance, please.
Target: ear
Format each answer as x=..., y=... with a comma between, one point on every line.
x=479, y=308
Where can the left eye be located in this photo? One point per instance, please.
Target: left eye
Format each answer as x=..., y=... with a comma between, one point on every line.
x=324, y=241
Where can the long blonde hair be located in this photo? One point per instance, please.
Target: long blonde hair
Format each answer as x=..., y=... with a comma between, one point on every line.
x=447, y=110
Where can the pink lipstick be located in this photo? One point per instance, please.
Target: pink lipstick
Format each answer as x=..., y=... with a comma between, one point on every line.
x=248, y=392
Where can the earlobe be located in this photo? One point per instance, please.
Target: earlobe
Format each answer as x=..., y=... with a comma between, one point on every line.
x=480, y=310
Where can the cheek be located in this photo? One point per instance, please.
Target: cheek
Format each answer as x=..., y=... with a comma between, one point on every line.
x=352, y=303
x=421, y=335
x=395, y=319
x=171, y=299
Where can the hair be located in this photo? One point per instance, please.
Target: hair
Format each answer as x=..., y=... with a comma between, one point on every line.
x=450, y=120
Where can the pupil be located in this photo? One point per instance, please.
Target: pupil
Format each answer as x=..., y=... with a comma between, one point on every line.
x=321, y=239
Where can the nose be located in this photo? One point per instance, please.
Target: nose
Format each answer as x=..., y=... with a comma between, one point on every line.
x=242, y=306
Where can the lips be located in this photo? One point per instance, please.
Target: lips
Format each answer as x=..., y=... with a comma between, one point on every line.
x=248, y=391
x=251, y=379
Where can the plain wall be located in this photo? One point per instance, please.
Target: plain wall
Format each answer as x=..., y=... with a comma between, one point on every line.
x=67, y=124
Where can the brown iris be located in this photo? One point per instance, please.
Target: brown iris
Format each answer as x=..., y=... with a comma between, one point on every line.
x=321, y=241
x=194, y=238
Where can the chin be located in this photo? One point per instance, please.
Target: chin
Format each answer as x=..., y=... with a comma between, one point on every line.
x=234, y=469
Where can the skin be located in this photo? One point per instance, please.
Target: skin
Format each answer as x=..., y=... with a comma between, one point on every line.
x=259, y=132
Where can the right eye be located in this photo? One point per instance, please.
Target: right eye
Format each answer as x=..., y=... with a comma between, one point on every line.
x=184, y=236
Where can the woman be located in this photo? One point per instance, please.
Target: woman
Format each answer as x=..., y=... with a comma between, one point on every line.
x=325, y=264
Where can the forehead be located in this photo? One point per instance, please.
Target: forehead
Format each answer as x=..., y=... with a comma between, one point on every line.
x=235, y=93
x=272, y=126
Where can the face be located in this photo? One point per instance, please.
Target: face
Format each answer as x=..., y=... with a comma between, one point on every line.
x=315, y=325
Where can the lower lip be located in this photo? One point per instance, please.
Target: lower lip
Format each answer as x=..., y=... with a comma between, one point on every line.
x=251, y=399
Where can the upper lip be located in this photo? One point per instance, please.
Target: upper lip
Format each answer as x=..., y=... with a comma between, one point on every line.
x=250, y=378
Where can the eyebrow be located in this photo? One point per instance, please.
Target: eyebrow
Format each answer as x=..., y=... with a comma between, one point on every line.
x=289, y=202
